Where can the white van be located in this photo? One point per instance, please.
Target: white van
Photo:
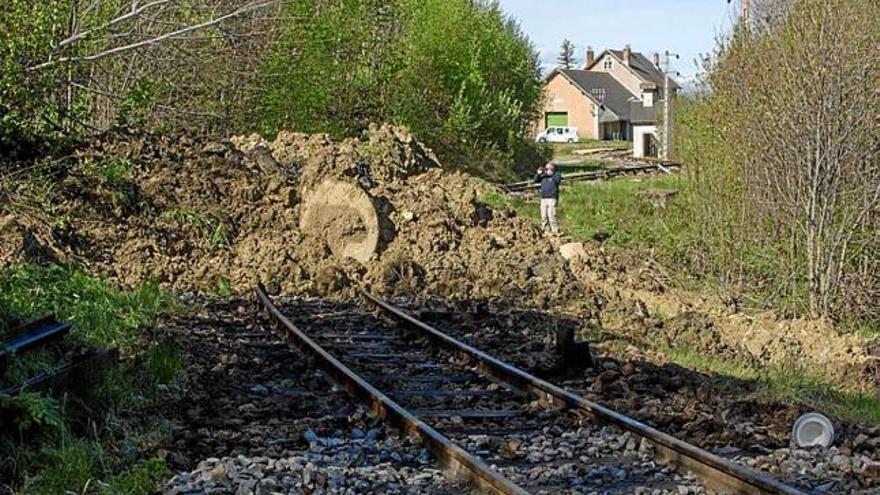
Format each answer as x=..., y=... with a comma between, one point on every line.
x=558, y=135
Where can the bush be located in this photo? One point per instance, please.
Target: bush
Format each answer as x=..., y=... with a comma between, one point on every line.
x=65, y=450
x=32, y=112
x=783, y=154
x=460, y=74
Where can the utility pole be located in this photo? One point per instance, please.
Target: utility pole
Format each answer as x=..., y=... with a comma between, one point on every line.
x=667, y=106
x=746, y=10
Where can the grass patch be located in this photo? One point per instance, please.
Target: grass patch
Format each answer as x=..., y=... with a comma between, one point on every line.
x=787, y=386
x=75, y=466
x=212, y=224
x=501, y=201
x=100, y=315
x=60, y=444
x=561, y=150
x=223, y=287
x=617, y=211
x=112, y=170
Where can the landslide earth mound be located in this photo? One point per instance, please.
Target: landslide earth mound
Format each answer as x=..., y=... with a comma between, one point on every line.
x=309, y=216
x=302, y=214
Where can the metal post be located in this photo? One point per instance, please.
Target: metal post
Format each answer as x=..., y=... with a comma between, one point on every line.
x=667, y=108
x=666, y=113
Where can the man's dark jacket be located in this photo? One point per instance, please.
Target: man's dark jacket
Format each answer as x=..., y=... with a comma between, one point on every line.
x=549, y=184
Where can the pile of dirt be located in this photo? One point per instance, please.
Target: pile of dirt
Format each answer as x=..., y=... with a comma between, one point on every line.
x=302, y=214
x=306, y=215
x=637, y=304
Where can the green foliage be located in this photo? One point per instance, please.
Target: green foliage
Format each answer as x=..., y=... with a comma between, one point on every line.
x=134, y=108
x=782, y=160
x=55, y=460
x=143, y=478
x=164, y=363
x=111, y=170
x=212, y=224
x=34, y=410
x=70, y=466
x=224, y=287
x=84, y=466
x=99, y=314
x=31, y=113
x=458, y=73
x=332, y=70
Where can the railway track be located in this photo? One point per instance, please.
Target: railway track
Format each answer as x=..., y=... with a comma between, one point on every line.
x=626, y=170
x=494, y=425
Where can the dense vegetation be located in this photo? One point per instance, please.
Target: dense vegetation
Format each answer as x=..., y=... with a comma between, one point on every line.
x=459, y=73
x=783, y=159
x=51, y=444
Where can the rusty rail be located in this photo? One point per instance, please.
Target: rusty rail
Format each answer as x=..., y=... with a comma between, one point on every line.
x=455, y=460
x=609, y=173
x=81, y=363
x=717, y=473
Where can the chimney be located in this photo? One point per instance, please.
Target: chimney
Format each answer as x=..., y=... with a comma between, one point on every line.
x=627, y=54
x=591, y=57
x=657, y=59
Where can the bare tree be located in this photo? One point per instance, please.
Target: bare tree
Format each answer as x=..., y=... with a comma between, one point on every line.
x=793, y=177
x=193, y=59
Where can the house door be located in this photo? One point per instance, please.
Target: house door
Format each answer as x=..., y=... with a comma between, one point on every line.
x=556, y=119
x=650, y=144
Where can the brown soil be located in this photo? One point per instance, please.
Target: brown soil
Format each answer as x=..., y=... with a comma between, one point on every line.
x=302, y=214
x=308, y=216
x=638, y=305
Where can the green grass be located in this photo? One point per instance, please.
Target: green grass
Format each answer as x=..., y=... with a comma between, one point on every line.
x=617, y=212
x=58, y=456
x=112, y=170
x=99, y=314
x=788, y=386
x=216, y=231
x=74, y=465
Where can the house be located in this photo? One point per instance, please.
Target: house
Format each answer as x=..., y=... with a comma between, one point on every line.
x=616, y=96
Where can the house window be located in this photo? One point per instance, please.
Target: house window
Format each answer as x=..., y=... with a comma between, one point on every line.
x=608, y=64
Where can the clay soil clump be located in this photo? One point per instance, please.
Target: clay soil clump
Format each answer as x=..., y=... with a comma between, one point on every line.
x=303, y=214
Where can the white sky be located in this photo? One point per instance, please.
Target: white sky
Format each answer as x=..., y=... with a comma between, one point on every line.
x=686, y=27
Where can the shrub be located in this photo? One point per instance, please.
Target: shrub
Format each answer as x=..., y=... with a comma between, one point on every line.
x=783, y=152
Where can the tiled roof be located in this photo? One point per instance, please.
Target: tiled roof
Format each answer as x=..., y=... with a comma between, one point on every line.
x=603, y=88
x=645, y=68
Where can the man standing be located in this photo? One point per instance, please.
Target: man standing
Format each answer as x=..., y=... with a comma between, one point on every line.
x=549, y=179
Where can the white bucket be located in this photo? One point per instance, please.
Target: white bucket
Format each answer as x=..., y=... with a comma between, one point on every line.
x=812, y=430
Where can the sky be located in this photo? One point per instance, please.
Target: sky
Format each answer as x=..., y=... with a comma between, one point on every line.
x=686, y=27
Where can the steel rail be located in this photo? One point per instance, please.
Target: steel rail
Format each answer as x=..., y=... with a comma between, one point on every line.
x=456, y=461
x=717, y=473
x=82, y=362
x=610, y=173
x=33, y=334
